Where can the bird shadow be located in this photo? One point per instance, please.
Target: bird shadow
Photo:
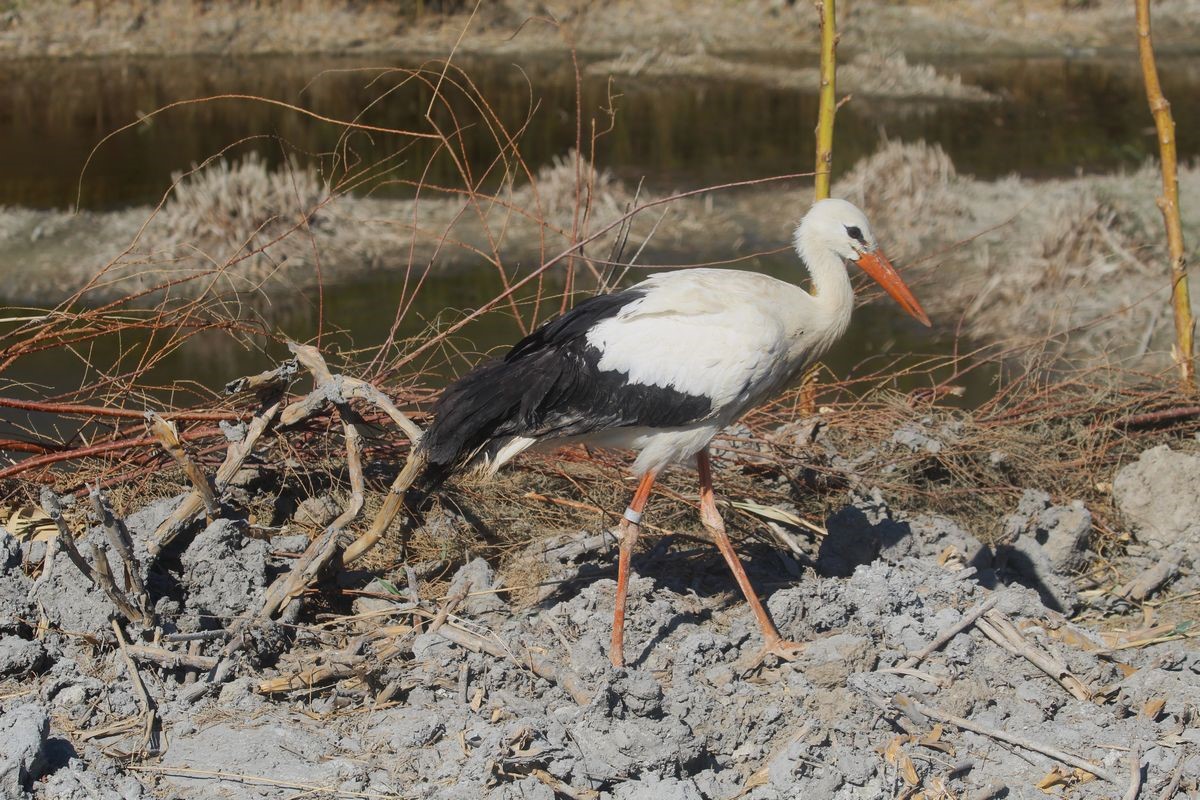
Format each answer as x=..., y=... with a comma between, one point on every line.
x=854, y=540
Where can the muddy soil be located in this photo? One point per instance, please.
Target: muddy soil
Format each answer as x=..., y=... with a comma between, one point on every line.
x=357, y=701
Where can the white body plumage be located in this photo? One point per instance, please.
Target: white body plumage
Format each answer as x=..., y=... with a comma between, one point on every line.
x=732, y=337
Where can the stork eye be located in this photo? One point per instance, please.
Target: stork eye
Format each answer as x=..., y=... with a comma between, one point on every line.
x=855, y=233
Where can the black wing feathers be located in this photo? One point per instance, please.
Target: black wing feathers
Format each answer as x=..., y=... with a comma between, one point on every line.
x=549, y=386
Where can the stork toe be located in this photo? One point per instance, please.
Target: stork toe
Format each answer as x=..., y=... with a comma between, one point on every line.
x=780, y=649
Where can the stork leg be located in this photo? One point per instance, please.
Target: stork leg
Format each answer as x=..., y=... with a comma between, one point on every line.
x=628, y=534
x=711, y=518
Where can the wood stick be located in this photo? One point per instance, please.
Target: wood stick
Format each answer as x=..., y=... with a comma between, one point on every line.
x=171, y=659
x=103, y=576
x=1018, y=741
x=65, y=538
x=118, y=537
x=1000, y=629
x=149, y=739
x=391, y=507
x=1135, y=772
x=235, y=457
x=967, y=621
x=168, y=436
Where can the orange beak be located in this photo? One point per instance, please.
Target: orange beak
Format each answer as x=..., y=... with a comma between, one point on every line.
x=878, y=267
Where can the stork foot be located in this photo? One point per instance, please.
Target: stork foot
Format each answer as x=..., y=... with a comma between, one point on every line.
x=776, y=649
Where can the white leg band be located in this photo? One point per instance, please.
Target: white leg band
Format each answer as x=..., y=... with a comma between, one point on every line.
x=633, y=516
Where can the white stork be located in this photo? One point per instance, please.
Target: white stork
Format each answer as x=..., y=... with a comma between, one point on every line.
x=660, y=368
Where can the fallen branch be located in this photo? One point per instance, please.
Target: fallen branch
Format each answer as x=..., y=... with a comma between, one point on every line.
x=1000, y=629
x=170, y=659
x=168, y=436
x=1019, y=741
x=967, y=621
x=1135, y=773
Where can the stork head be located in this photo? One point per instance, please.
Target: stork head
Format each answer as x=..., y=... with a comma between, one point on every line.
x=839, y=227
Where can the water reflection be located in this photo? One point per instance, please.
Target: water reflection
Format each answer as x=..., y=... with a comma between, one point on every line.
x=1057, y=116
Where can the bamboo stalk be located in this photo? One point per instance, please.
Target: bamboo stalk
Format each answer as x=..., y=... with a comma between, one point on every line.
x=1168, y=203
x=823, y=168
x=827, y=105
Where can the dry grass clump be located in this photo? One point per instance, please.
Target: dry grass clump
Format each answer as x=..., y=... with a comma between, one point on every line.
x=909, y=190
x=1077, y=260
x=890, y=74
x=872, y=73
x=230, y=206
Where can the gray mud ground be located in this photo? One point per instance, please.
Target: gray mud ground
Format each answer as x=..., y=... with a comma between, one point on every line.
x=849, y=719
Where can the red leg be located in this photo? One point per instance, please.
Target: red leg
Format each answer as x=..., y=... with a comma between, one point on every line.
x=628, y=533
x=774, y=643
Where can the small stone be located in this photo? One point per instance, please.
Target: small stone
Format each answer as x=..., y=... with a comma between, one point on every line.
x=1159, y=495
x=23, y=732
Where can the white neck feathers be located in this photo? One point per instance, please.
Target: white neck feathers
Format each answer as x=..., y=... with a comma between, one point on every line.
x=832, y=294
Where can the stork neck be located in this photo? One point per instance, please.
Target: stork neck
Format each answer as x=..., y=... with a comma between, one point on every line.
x=831, y=288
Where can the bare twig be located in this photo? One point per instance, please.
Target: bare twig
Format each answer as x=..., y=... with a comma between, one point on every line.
x=170, y=659
x=269, y=386
x=102, y=575
x=1135, y=773
x=149, y=743
x=65, y=539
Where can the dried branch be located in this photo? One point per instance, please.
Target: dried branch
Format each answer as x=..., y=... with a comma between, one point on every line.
x=168, y=436
x=967, y=621
x=118, y=538
x=1000, y=629
x=149, y=743
x=170, y=659
x=102, y=575
x=1013, y=739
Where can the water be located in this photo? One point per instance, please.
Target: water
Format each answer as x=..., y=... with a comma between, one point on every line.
x=1057, y=117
